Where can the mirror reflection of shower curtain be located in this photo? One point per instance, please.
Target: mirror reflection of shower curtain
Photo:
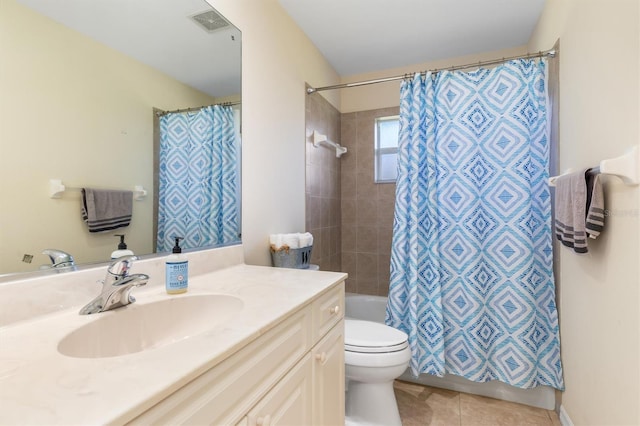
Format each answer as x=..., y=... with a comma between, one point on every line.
x=198, y=178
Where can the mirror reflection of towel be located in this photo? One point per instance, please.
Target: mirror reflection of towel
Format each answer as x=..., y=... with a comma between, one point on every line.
x=105, y=210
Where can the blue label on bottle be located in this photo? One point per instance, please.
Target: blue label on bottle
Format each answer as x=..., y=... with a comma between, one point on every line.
x=177, y=275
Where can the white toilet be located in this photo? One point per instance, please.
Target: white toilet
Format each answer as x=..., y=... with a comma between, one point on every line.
x=375, y=354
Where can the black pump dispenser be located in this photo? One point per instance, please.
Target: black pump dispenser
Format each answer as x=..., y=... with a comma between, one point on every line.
x=122, y=249
x=122, y=245
x=177, y=248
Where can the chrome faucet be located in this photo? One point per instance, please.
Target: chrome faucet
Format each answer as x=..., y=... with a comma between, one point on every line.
x=59, y=258
x=116, y=287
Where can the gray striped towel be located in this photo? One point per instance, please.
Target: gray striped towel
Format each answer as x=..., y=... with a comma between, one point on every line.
x=595, y=206
x=571, y=199
x=105, y=210
x=579, y=209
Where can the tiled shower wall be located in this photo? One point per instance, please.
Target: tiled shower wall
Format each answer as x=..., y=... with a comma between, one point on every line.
x=322, y=184
x=350, y=216
x=366, y=207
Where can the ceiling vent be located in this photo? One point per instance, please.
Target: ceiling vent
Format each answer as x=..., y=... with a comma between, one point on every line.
x=210, y=21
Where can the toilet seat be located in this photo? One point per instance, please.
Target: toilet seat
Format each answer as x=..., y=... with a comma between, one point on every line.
x=372, y=337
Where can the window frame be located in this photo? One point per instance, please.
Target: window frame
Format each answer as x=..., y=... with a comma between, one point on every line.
x=379, y=152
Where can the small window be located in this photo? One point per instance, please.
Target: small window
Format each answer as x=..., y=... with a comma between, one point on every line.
x=386, y=149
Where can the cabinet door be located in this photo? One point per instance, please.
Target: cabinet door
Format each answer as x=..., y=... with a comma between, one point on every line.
x=289, y=402
x=328, y=378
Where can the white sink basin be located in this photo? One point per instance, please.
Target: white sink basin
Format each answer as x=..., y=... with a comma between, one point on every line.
x=141, y=327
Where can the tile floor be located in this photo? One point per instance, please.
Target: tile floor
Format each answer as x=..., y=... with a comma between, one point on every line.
x=423, y=405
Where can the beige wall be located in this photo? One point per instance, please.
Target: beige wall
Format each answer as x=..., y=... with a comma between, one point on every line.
x=75, y=110
x=277, y=60
x=599, y=300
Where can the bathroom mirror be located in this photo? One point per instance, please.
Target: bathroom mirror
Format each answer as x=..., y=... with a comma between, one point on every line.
x=79, y=82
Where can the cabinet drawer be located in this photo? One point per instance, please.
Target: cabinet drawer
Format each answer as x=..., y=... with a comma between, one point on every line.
x=224, y=394
x=328, y=309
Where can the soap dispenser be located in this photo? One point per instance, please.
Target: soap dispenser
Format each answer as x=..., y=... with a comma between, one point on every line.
x=122, y=249
x=177, y=270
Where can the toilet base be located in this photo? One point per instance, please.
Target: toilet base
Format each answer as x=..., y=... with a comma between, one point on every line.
x=372, y=404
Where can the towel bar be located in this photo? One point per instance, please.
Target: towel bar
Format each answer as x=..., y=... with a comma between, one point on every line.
x=626, y=167
x=319, y=138
x=57, y=188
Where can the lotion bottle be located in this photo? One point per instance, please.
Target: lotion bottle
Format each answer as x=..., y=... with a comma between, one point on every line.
x=122, y=249
x=176, y=270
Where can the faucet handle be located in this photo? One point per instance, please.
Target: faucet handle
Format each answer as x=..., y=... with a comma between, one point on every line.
x=121, y=265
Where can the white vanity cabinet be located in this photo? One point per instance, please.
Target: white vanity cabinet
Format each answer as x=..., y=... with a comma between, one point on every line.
x=328, y=364
x=291, y=375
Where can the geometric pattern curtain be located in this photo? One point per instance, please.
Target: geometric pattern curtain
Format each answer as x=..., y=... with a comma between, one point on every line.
x=471, y=265
x=198, y=179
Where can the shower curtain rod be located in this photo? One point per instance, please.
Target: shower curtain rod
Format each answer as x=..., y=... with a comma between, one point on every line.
x=161, y=113
x=550, y=53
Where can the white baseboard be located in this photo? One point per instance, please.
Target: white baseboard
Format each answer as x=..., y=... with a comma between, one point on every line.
x=564, y=417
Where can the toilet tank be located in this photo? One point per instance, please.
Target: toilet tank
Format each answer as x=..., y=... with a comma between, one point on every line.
x=365, y=307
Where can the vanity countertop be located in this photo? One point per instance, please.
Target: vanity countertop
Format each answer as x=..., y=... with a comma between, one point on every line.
x=38, y=385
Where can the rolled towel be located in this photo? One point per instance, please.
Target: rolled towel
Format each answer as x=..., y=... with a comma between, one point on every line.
x=306, y=239
x=275, y=240
x=291, y=240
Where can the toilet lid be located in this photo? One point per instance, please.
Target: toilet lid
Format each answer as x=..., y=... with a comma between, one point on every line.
x=372, y=337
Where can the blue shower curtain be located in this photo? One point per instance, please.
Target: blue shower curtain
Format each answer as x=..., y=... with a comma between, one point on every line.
x=198, y=177
x=471, y=266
